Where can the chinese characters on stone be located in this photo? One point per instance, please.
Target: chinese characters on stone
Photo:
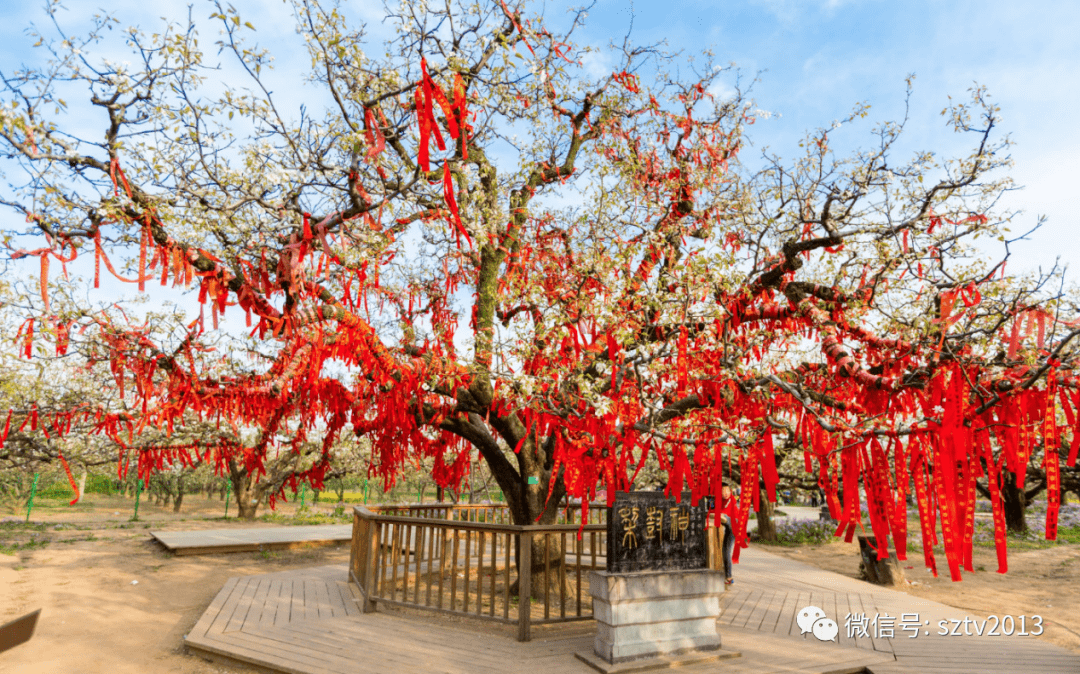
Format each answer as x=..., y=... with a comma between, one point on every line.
x=677, y=519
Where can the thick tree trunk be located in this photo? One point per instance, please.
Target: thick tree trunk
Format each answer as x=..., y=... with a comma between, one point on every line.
x=880, y=572
x=766, y=526
x=548, y=557
x=548, y=565
x=1015, y=503
x=525, y=485
x=247, y=509
x=179, y=500
x=247, y=501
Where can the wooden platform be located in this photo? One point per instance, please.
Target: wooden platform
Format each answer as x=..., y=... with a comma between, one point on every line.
x=308, y=622
x=770, y=590
x=210, y=541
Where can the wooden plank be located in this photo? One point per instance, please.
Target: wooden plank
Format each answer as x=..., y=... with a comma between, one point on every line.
x=753, y=621
x=276, y=648
x=254, y=612
x=747, y=608
x=407, y=651
x=403, y=638
x=322, y=596
x=506, y=576
x=418, y=554
x=384, y=531
x=879, y=644
x=772, y=612
x=296, y=601
x=841, y=611
x=221, y=620
x=357, y=548
x=547, y=575
x=453, y=572
x=525, y=586
x=431, y=563
x=339, y=654
x=829, y=606
x=468, y=562
x=730, y=605
x=256, y=654
x=336, y=603
x=787, y=610
x=349, y=600
x=857, y=610
x=236, y=621
x=579, y=544
x=395, y=559
x=801, y=602
x=494, y=570
x=391, y=643
x=270, y=603
x=407, y=539
x=311, y=600
x=215, y=607
x=480, y=572
x=218, y=541
x=283, y=613
x=442, y=565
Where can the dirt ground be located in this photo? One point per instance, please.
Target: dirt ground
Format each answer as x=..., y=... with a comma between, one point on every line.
x=1044, y=582
x=94, y=619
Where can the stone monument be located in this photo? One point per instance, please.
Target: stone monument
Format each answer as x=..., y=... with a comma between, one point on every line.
x=657, y=602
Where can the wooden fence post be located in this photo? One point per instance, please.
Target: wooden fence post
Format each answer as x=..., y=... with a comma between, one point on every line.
x=714, y=542
x=371, y=556
x=356, y=549
x=525, y=586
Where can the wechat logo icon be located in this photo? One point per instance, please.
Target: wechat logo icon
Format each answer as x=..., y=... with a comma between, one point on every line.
x=812, y=619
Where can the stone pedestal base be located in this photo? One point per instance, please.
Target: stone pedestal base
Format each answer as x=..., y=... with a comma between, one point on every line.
x=655, y=613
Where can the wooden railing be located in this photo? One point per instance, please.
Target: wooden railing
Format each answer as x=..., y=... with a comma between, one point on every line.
x=465, y=560
x=489, y=513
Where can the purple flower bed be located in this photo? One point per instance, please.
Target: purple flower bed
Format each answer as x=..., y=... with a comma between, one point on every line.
x=1068, y=527
x=798, y=532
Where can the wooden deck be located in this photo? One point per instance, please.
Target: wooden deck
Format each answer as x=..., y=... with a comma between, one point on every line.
x=212, y=541
x=770, y=590
x=309, y=622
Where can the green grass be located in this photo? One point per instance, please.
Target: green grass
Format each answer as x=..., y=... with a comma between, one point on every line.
x=14, y=548
x=305, y=518
x=9, y=525
x=1035, y=539
x=90, y=537
x=1069, y=535
x=62, y=504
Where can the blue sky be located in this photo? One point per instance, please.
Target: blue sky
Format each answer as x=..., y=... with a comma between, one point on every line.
x=819, y=58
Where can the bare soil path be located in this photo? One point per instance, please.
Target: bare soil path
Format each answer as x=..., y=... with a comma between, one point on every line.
x=112, y=599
